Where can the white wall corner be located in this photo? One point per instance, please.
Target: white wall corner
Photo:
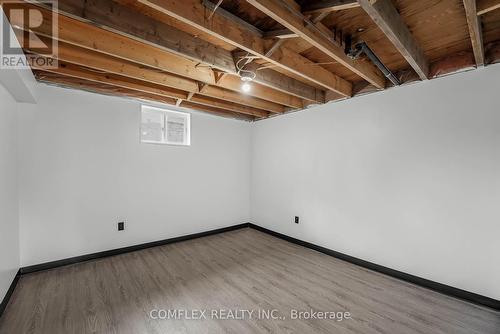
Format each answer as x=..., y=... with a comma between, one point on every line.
x=20, y=83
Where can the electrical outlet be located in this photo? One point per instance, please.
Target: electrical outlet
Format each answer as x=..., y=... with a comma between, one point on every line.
x=296, y=219
x=121, y=226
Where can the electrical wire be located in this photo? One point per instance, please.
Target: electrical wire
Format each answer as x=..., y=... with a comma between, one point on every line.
x=215, y=8
x=241, y=69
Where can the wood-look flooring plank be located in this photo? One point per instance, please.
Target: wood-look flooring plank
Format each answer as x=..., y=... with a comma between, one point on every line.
x=243, y=269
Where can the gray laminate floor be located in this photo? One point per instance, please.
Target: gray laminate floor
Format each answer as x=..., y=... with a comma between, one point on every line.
x=240, y=271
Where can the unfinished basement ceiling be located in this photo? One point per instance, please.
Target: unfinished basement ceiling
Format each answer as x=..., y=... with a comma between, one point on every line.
x=189, y=53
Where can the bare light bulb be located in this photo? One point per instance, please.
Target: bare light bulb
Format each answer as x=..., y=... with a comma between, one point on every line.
x=246, y=87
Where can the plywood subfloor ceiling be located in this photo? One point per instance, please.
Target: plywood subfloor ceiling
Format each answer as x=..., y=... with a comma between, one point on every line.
x=191, y=53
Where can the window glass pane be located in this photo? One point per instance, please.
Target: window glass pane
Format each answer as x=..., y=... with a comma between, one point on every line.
x=176, y=129
x=165, y=126
x=152, y=125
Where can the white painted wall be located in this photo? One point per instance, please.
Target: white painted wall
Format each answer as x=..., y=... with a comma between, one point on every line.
x=9, y=223
x=20, y=83
x=83, y=169
x=408, y=178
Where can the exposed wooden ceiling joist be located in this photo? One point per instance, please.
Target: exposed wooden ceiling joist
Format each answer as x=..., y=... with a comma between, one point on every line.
x=486, y=6
x=132, y=38
x=293, y=4
x=107, y=64
x=132, y=46
x=81, y=34
x=451, y=64
x=230, y=82
x=107, y=43
x=242, y=109
x=475, y=30
x=285, y=84
x=228, y=95
x=282, y=34
x=214, y=110
x=296, y=22
x=387, y=18
x=76, y=83
x=194, y=13
x=301, y=66
x=76, y=71
x=128, y=22
x=493, y=53
x=317, y=18
x=322, y=6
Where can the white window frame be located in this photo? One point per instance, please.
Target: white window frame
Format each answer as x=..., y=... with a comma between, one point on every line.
x=166, y=113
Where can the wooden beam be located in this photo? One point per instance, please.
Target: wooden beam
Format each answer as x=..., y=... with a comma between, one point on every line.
x=328, y=6
x=194, y=13
x=459, y=62
x=76, y=71
x=281, y=33
x=137, y=85
x=238, y=21
x=144, y=51
x=107, y=44
x=475, y=31
x=448, y=65
x=486, y=6
x=305, y=66
x=293, y=4
x=111, y=15
x=493, y=53
x=332, y=96
x=105, y=63
x=280, y=81
x=331, y=34
x=463, y=61
x=216, y=111
x=363, y=88
x=202, y=87
x=301, y=66
x=67, y=69
x=80, y=83
x=209, y=101
x=76, y=83
x=451, y=64
x=317, y=18
x=108, y=64
x=259, y=90
x=227, y=95
x=387, y=18
x=218, y=76
x=296, y=22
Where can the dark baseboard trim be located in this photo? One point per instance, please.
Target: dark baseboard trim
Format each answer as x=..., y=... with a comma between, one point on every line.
x=9, y=293
x=118, y=251
x=438, y=287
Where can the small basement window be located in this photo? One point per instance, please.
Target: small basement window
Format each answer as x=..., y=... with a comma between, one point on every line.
x=162, y=126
